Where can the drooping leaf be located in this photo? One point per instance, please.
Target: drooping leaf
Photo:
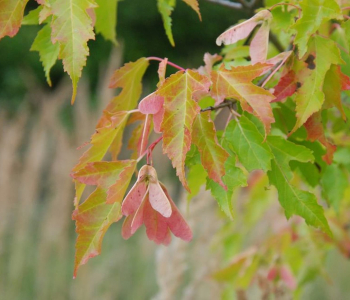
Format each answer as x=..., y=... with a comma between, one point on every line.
x=315, y=132
x=166, y=7
x=32, y=18
x=334, y=82
x=106, y=19
x=242, y=30
x=213, y=156
x=93, y=218
x=196, y=178
x=11, y=15
x=285, y=87
x=108, y=128
x=194, y=5
x=334, y=181
x=233, y=178
x=248, y=143
x=236, y=83
x=72, y=28
x=180, y=111
x=48, y=52
x=310, y=96
x=314, y=13
x=129, y=79
x=293, y=200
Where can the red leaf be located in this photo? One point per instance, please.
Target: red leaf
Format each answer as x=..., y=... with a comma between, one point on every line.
x=315, y=132
x=151, y=104
x=285, y=87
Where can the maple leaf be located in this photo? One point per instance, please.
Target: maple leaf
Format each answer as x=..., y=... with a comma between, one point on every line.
x=334, y=182
x=161, y=71
x=213, y=156
x=72, y=28
x=315, y=132
x=11, y=14
x=233, y=178
x=180, y=111
x=129, y=79
x=248, y=143
x=106, y=19
x=310, y=96
x=93, y=218
x=285, y=87
x=315, y=12
x=194, y=5
x=335, y=81
x=106, y=131
x=236, y=83
x=209, y=61
x=48, y=52
x=113, y=176
x=293, y=200
x=166, y=7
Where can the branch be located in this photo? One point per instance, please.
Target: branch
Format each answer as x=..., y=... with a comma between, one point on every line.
x=227, y=3
x=224, y=104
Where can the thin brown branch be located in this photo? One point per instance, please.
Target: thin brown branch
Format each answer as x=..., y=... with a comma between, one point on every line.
x=224, y=104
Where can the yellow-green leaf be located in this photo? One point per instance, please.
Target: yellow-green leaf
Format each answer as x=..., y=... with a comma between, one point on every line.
x=165, y=8
x=106, y=19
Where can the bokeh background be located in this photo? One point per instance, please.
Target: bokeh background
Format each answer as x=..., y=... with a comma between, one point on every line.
x=39, y=135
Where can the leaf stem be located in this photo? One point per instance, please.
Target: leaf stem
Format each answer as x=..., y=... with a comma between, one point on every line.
x=289, y=4
x=169, y=62
x=149, y=150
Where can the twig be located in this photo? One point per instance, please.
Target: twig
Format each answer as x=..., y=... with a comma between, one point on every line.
x=224, y=104
x=227, y=3
x=169, y=62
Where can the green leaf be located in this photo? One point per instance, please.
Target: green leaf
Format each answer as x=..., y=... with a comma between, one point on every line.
x=180, y=110
x=165, y=8
x=196, y=177
x=48, y=52
x=334, y=181
x=233, y=179
x=310, y=96
x=248, y=143
x=106, y=19
x=32, y=18
x=293, y=200
x=315, y=12
x=93, y=219
x=11, y=14
x=213, y=156
x=72, y=28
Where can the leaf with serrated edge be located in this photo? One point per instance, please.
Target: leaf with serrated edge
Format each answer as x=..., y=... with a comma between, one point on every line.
x=194, y=6
x=101, y=140
x=335, y=81
x=248, y=143
x=236, y=83
x=72, y=28
x=106, y=19
x=93, y=218
x=11, y=15
x=129, y=79
x=165, y=8
x=242, y=30
x=234, y=178
x=213, y=156
x=180, y=111
x=310, y=96
x=315, y=12
x=293, y=200
x=285, y=87
x=48, y=52
x=315, y=132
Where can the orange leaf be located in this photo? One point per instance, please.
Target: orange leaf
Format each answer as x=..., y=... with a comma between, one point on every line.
x=236, y=83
